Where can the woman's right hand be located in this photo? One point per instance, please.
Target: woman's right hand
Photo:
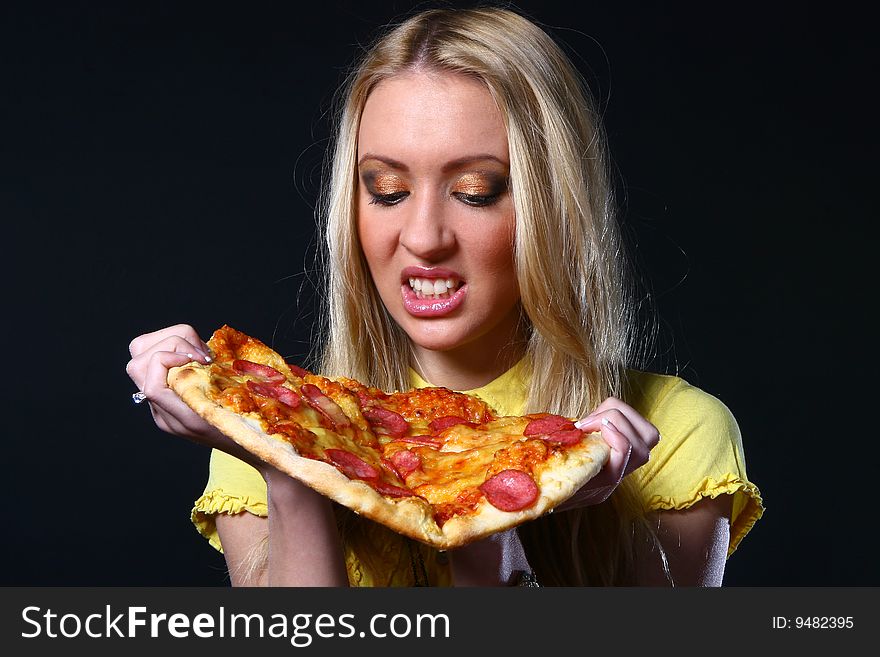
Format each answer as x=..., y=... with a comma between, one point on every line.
x=152, y=355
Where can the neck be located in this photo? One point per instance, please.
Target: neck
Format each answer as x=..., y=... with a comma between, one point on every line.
x=471, y=365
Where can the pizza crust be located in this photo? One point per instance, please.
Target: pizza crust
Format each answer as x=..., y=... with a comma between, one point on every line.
x=559, y=478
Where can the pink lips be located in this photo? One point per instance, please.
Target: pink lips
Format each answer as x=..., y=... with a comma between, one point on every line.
x=427, y=307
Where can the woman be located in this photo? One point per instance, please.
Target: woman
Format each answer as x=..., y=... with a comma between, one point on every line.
x=471, y=244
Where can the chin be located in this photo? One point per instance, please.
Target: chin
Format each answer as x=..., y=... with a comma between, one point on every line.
x=436, y=336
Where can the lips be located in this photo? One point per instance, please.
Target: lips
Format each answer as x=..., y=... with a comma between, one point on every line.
x=431, y=291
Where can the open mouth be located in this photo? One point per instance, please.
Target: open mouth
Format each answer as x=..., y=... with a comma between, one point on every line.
x=434, y=288
x=432, y=297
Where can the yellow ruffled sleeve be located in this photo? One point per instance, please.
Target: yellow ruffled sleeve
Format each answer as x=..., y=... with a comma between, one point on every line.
x=233, y=486
x=700, y=454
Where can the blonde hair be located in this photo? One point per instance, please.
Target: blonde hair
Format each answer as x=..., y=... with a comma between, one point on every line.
x=568, y=254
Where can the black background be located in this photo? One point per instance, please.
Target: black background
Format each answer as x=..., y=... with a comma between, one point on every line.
x=145, y=144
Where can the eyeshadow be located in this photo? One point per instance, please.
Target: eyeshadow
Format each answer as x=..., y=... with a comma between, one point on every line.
x=480, y=184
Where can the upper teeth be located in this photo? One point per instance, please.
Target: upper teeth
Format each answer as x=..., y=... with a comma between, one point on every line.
x=433, y=286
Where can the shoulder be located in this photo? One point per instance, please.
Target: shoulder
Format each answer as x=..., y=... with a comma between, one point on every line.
x=670, y=400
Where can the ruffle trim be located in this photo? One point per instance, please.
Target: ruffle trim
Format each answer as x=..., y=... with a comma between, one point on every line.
x=216, y=501
x=711, y=488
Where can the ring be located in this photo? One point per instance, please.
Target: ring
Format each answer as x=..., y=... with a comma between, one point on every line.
x=138, y=397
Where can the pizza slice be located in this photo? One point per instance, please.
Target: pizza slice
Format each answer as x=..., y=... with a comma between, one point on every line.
x=432, y=464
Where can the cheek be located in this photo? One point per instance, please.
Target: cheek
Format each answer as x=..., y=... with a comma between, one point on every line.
x=377, y=238
x=494, y=249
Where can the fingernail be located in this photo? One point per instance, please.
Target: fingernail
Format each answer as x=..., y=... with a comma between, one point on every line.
x=580, y=424
x=204, y=355
x=607, y=423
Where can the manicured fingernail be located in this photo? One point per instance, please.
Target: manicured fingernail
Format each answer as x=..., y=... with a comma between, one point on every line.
x=607, y=423
x=204, y=354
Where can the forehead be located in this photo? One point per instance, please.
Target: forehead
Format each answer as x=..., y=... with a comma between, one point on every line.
x=429, y=115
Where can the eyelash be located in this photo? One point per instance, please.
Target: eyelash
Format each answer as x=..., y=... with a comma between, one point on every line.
x=387, y=200
x=473, y=200
x=476, y=200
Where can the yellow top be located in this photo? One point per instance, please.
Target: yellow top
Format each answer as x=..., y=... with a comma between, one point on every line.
x=700, y=455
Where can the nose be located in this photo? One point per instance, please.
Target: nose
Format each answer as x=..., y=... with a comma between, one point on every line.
x=427, y=232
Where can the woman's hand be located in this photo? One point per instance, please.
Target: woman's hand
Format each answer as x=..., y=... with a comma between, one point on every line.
x=631, y=439
x=152, y=355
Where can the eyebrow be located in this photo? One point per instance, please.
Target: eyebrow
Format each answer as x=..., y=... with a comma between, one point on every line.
x=449, y=166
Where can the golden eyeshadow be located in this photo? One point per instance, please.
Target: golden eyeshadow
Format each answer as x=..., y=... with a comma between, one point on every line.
x=386, y=184
x=474, y=184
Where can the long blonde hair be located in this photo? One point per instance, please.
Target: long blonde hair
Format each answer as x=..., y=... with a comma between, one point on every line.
x=568, y=254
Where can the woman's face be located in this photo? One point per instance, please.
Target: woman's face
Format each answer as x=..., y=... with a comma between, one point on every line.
x=435, y=215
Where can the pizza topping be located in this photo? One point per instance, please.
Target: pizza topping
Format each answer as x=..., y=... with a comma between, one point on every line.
x=302, y=439
x=523, y=455
x=298, y=371
x=465, y=502
x=427, y=404
x=447, y=421
x=547, y=424
x=324, y=405
x=237, y=399
x=275, y=391
x=385, y=421
x=270, y=374
x=424, y=441
x=564, y=437
x=404, y=462
x=352, y=466
x=390, y=489
x=511, y=490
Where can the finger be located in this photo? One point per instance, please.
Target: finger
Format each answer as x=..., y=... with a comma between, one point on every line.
x=619, y=422
x=621, y=451
x=646, y=431
x=600, y=487
x=155, y=382
x=137, y=366
x=170, y=412
x=146, y=341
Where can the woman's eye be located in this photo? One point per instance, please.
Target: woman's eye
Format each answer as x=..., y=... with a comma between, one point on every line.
x=476, y=200
x=387, y=199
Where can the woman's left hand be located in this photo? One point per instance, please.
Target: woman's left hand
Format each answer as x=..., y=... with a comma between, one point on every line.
x=631, y=439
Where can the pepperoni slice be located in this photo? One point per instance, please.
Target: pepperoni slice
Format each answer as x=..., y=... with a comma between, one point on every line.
x=564, y=437
x=547, y=424
x=352, y=466
x=324, y=405
x=270, y=374
x=405, y=462
x=447, y=421
x=390, y=489
x=297, y=370
x=510, y=490
x=275, y=391
x=392, y=424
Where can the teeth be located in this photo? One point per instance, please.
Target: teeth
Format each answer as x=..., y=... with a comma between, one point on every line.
x=435, y=288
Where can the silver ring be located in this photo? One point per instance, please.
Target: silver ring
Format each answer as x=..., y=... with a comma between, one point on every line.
x=138, y=397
